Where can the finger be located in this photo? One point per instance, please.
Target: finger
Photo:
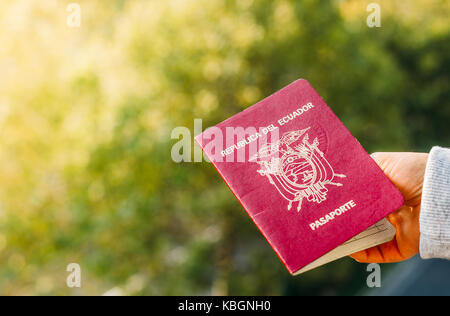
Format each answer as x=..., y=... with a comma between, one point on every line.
x=406, y=223
x=360, y=256
x=391, y=252
x=371, y=255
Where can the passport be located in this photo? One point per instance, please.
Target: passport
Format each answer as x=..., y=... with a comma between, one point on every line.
x=306, y=182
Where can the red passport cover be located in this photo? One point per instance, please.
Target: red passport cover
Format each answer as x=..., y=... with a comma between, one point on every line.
x=302, y=177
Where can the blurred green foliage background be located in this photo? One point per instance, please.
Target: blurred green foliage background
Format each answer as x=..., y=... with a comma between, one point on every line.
x=86, y=116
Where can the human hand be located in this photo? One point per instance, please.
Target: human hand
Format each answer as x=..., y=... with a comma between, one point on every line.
x=406, y=171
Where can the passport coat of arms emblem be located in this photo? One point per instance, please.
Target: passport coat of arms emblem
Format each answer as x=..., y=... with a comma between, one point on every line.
x=297, y=168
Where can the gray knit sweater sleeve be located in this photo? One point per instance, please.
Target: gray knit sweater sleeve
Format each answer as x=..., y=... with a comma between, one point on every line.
x=435, y=209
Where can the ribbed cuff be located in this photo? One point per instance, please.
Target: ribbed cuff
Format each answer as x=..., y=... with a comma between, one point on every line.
x=435, y=208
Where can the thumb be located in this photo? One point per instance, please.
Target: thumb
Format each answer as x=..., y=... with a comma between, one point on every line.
x=405, y=170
